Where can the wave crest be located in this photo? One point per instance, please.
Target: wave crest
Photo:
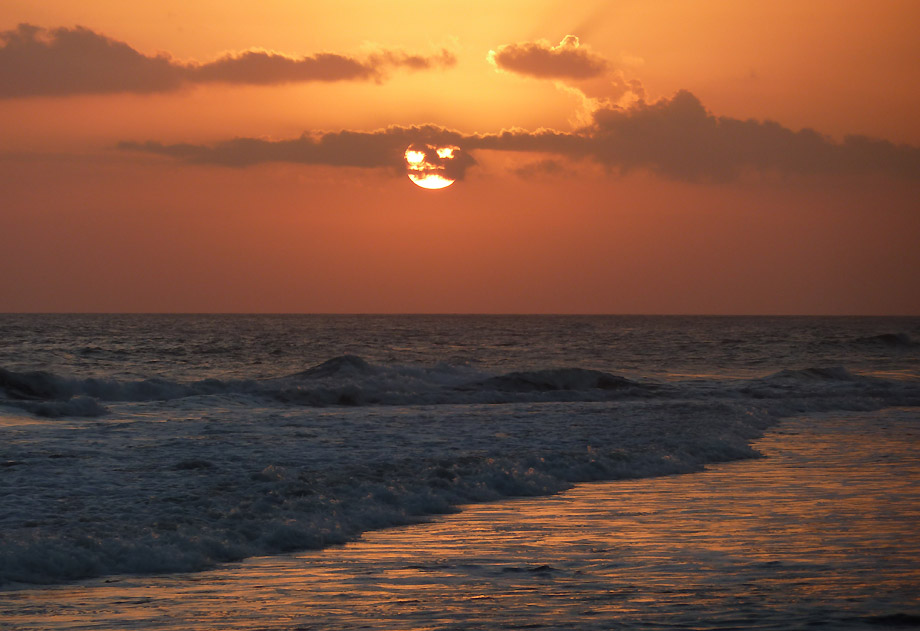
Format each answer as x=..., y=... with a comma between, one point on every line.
x=828, y=373
x=555, y=379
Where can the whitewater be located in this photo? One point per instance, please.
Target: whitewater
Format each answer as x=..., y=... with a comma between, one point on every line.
x=160, y=444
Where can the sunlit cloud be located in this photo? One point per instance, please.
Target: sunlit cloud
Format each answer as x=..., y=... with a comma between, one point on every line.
x=66, y=61
x=595, y=80
x=540, y=59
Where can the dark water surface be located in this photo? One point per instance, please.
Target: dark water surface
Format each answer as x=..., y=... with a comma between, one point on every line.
x=262, y=346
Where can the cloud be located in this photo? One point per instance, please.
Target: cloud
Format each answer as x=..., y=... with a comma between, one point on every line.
x=65, y=61
x=597, y=81
x=383, y=148
x=676, y=138
x=264, y=67
x=548, y=166
x=680, y=139
x=542, y=60
x=35, y=61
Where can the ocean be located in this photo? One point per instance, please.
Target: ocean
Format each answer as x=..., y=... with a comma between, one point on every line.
x=434, y=472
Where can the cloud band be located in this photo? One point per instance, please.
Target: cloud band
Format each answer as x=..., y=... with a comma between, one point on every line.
x=67, y=61
x=676, y=138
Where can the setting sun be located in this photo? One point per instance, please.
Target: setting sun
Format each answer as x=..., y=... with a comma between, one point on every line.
x=429, y=167
x=431, y=181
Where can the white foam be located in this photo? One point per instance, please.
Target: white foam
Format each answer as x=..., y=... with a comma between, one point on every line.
x=130, y=494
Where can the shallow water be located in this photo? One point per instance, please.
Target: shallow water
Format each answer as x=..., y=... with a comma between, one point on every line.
x=821, y=532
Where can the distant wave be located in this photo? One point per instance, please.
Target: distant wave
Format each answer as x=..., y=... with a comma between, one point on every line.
x=348, y=380
x=48, y=394
x=344, y=365
x=889, y=340
x=829, y=373
x=78, y=406
x=573, y=379
x=827, y=388
x=344, y=380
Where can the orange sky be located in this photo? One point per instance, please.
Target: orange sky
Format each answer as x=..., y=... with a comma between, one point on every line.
x=656, y=186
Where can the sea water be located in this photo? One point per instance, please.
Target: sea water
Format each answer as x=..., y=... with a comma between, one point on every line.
x=150, y=445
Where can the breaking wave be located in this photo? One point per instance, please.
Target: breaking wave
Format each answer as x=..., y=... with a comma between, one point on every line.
x=180, y=498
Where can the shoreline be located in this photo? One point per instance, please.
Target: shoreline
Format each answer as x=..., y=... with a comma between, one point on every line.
x=604, y=548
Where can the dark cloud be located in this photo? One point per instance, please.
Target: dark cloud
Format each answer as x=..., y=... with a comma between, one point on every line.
x=543, y=60
x=548, y=166
x=261, y=67
x=383, y=148
x=679, y=138
x=63, y=61
x=34, y=61
x=676, y=138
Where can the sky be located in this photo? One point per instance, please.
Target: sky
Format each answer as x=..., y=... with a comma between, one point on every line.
x=626, y=156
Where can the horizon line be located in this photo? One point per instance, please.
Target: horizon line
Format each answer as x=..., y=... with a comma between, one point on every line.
x=469, y=314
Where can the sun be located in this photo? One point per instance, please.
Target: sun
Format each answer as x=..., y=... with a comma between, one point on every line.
x=431, y=181
x=428, y=165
